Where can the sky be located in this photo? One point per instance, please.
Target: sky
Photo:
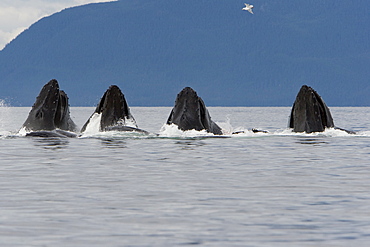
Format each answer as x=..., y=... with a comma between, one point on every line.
x=18, y=15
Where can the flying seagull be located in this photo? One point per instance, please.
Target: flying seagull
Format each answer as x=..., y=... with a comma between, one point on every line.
x=248, y=7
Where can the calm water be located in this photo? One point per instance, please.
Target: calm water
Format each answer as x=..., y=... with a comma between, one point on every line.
x=276, y=189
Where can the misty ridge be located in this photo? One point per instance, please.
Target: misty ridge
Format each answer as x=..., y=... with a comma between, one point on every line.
x=152, y=49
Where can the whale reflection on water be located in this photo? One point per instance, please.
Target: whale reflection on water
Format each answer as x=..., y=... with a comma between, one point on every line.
x=52, y=143
x=311, y=141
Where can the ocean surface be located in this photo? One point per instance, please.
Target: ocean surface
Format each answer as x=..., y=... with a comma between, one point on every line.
x=187, y=188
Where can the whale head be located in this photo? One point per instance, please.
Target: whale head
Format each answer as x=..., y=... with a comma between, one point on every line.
x=309, y=112
x=113, y=110
x=190, y=113
x=50, y=110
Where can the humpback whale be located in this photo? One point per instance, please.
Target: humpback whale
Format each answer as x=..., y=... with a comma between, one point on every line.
x=190, y=113
x=50, y=114
x=113, y=113
x=310, y=113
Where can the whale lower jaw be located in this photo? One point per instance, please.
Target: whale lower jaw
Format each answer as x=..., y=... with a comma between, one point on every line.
x=56, y=133
x=125, y=128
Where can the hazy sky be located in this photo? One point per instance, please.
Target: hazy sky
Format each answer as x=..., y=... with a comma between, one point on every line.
x=18, y=15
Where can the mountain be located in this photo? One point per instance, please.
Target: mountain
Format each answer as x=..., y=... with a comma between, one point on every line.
x=152, y=49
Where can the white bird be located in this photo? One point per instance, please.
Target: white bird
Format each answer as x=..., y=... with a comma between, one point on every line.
x=248, y=7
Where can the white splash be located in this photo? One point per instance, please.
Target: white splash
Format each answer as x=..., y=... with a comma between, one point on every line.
x=226, y=127
x=4, y=115
x=129, y=122
x=94, y=125
x=3, y=103
x=23, y=131
x=173, y=130
x=329, y=132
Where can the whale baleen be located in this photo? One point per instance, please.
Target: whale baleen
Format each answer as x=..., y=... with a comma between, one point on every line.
x=190, y=112
x=113, y=113
x=50, y=113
